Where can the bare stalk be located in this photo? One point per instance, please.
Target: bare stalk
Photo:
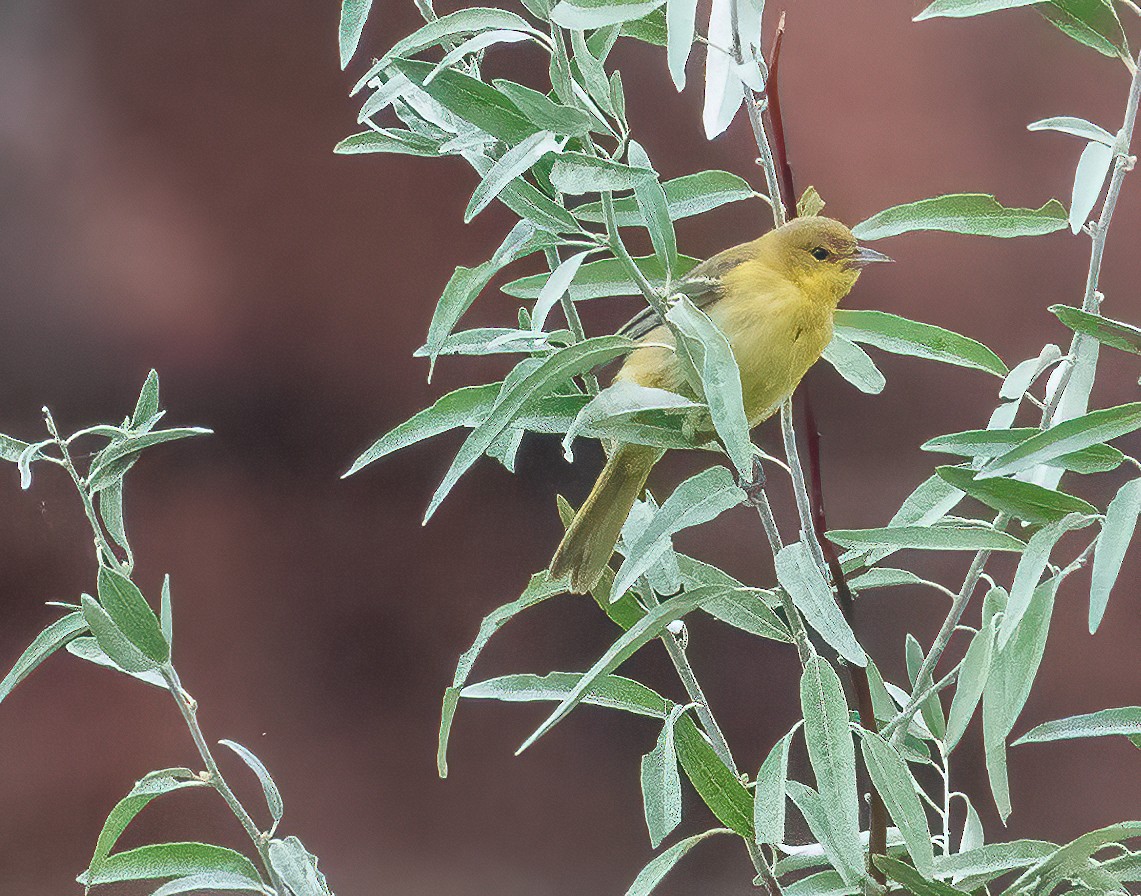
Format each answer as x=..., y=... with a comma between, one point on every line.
x=1123, y=163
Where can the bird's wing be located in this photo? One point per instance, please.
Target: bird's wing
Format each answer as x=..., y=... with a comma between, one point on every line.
x=702, y=286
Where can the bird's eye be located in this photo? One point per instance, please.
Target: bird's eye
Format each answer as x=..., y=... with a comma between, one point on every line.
x=820, y=253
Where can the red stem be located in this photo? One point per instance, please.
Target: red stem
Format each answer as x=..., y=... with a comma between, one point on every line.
x=776, y=126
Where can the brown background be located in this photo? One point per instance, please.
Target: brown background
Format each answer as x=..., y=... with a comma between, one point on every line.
x=170, y=199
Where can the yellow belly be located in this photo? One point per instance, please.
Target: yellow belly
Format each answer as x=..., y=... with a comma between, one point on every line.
x=776, y=335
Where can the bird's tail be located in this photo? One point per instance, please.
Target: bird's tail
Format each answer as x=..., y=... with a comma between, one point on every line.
x=589, y=542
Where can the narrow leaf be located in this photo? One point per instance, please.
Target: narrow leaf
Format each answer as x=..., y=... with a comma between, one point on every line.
x=1116, y=533
x=650, y=876
x=112, y=641
x=1108, y=332
x=163, y=860
x=517, y=160
x=891, y=777
x=1093, y=166
x=713, y=358
x=661, y=784
x=580, y=15
x=353, y=16
x=1022, y=500
x=698, y=500
x=833, y=755
x=629, y=642
x=854, y=365
x=770, y=794
x=901, y=336
x=269, y=787
x=610, y=691
x=799, y=575
x=47, y=642
x=1066, y=438
x=970, y=213
x=1078, y=127
x=972, y=680
x=1124, y=721
x=929, y=538
x=132, y=614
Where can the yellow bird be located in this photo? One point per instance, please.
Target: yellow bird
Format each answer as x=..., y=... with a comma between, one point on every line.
x=774, y=299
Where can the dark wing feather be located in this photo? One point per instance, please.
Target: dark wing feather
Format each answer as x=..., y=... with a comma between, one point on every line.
x=702, y=286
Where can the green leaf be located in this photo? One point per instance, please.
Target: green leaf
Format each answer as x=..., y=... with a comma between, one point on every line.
x=1093, y=166
x=799, y=575
x=854, y=365
x=929, y=538
x=1023, y=375
x=470, y=99
x=353, y=16
x=465, y=21
x=1031, y=565
x=467, y=406
x=554, y=370
x=1022, y=500
x=269, y=787
x=724, y=92
x=713, y=359
x=112, y=641
x=592, y=74
x=746, y=609
x=687, y=196
x=972, y=680
x=574, y=173
x=771, y=792
x=885, y=577
x=1065, y=438
x=297, y=867
x=891, y=777
x=847, y=859
x=539, y=589
x=1012, y=674
x=969, y=213
x=210, y=880
x=406, y=143
x=629, y=642
x=901, y=336
x=165, y=616
x=823, y=883
x=1090, y=22
x=651, y=29
x=610, y=691
x=651, y=199
x=580, y=15
x=1108, y=332
x=111, y=512
x=108, y=463
x=990, y=443
x=148, y=788
x=11, y=449
x=993, y=860
x=963, y=8
x=478, y=44
x=1078, y=127
x=163, y=860
x=555, y=288
x=1124, y=721
x=1071, y=860
x=698, y=500
x=623, y=400
x=913, y=880
x=147, y=405
x=544, y=112
x=661, y=784
x=47, y=642
x=511, y=165
x=1116, y=533
x=601, y=279
x=833, y=758
x=650, y=876
x=718, y=787
x=125, y=604
x=681, y=18
x=931, y=708
x=88, y=650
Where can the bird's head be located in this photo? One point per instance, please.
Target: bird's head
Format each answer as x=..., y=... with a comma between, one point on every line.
x=820, y=255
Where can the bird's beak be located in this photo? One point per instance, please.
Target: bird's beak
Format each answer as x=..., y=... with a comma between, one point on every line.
x=864, y=256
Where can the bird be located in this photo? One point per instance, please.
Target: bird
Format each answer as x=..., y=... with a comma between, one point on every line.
x=774, y=299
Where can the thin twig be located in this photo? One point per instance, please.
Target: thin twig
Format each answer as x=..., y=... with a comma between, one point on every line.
x=800, y=489
x=1081, y=344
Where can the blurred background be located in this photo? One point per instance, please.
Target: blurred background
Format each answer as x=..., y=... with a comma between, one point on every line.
x=170, y=199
